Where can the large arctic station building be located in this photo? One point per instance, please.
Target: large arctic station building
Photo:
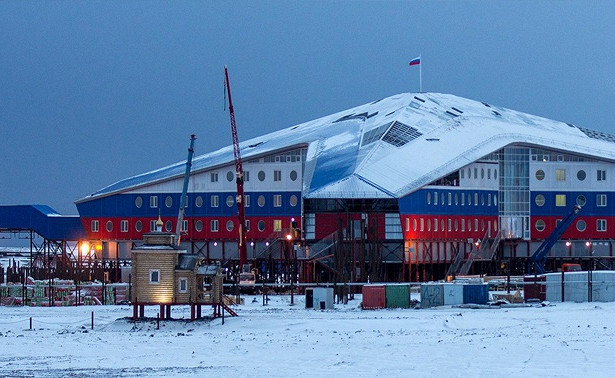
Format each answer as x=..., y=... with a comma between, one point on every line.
x=409, y=187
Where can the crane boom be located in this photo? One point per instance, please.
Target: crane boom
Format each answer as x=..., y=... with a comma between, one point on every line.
x=243, y=254
x=182, y=200
x=539, y=257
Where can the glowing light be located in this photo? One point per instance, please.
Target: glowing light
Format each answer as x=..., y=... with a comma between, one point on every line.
x=568, y=244
x=289, y=237
x=292, y=219
x=588, y=243
x=215, y=244
x=98, y=247
x=85, y=248
x=251, y=244
x=267, y=244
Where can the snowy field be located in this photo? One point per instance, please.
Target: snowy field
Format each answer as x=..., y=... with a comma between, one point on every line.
x=563, y=340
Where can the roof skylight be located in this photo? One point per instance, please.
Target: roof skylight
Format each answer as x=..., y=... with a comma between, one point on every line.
x=400, y=134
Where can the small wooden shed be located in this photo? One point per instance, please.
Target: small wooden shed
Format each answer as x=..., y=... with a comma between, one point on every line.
x=165, y=275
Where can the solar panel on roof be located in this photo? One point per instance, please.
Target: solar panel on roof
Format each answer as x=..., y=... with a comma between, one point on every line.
x=594, y=134
x=374, y=134
x=400, y=134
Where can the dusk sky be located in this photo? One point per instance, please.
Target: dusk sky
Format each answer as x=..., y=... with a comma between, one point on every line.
x=93, y=92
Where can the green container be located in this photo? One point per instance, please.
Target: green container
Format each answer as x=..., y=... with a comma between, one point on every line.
x=397, y=296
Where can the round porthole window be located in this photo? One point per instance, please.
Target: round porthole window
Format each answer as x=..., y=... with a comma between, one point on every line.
x=138, y=226
x=138, y=202
x=168, y=226
x=540, y=175
x=261, y=200
x=261, y=175
x=540, y=225
x=229, y=176
x=198, y=201
x=293, y=175
x=293, y=200
x=581, y=175
x=229, y=225
x=261, y=225
x=109, y=226
x=581, y=200
x=168, y=201
x=581, y=226
x=230, y=201
x=540, y=200
x=198, y=226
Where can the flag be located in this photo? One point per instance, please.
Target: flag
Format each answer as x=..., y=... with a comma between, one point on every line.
x=416, y=61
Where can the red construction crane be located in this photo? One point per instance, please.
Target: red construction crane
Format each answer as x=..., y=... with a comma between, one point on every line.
x=243, y=253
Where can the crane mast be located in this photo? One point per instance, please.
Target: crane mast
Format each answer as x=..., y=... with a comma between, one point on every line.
x=182, y=201
x=243, y=254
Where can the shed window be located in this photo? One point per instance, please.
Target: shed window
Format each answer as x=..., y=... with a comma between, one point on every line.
x=182, y=285
x=154, y=276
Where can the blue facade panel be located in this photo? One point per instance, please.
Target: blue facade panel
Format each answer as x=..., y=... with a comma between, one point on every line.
x=423, y=202
x=590, y=208
x=124, y=205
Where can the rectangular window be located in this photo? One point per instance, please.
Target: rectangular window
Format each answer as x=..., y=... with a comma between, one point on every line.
x=214, y=177
x=152, y=225
x=560, y=200
x=277, y=200
x=246, y=199
x=153, y=201
x=435, y=224
x=215, y=200
x=435, y=198
x=407, y=224
x=560, y=175
x=182, y=285
x=488, y=173
x=463, y=224
x=488, y=199
x=246, y=176
x=475, y=199
x=475, y=173
x=461, y=173
x=475, y=224
x=277, y=175
x=601, y=200
x=214, y=225
x=423, y=224
x=94, y=226
x=601, y=173
x=277, y=225
x=463, y=199
x=185, y=226
x=450, y=198
x=450, y=223
x=124, y=226
x=601, y=225
x=154, y=276
x=247, y=225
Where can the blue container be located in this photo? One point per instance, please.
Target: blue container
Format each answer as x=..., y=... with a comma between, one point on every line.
x=476, y=294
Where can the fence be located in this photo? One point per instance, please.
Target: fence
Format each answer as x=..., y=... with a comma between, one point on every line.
x=62, y=293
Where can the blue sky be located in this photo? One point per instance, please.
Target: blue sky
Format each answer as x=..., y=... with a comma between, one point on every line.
x=94, y=92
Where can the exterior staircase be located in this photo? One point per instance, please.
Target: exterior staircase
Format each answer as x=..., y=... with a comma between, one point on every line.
x=485, y=252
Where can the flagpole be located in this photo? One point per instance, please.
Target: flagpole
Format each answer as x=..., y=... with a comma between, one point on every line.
x=421, y=73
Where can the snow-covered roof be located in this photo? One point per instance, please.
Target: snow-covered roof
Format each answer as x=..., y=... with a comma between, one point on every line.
x=393, y=146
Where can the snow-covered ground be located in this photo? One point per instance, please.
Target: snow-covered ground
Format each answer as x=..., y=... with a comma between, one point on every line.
x=566, y=339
